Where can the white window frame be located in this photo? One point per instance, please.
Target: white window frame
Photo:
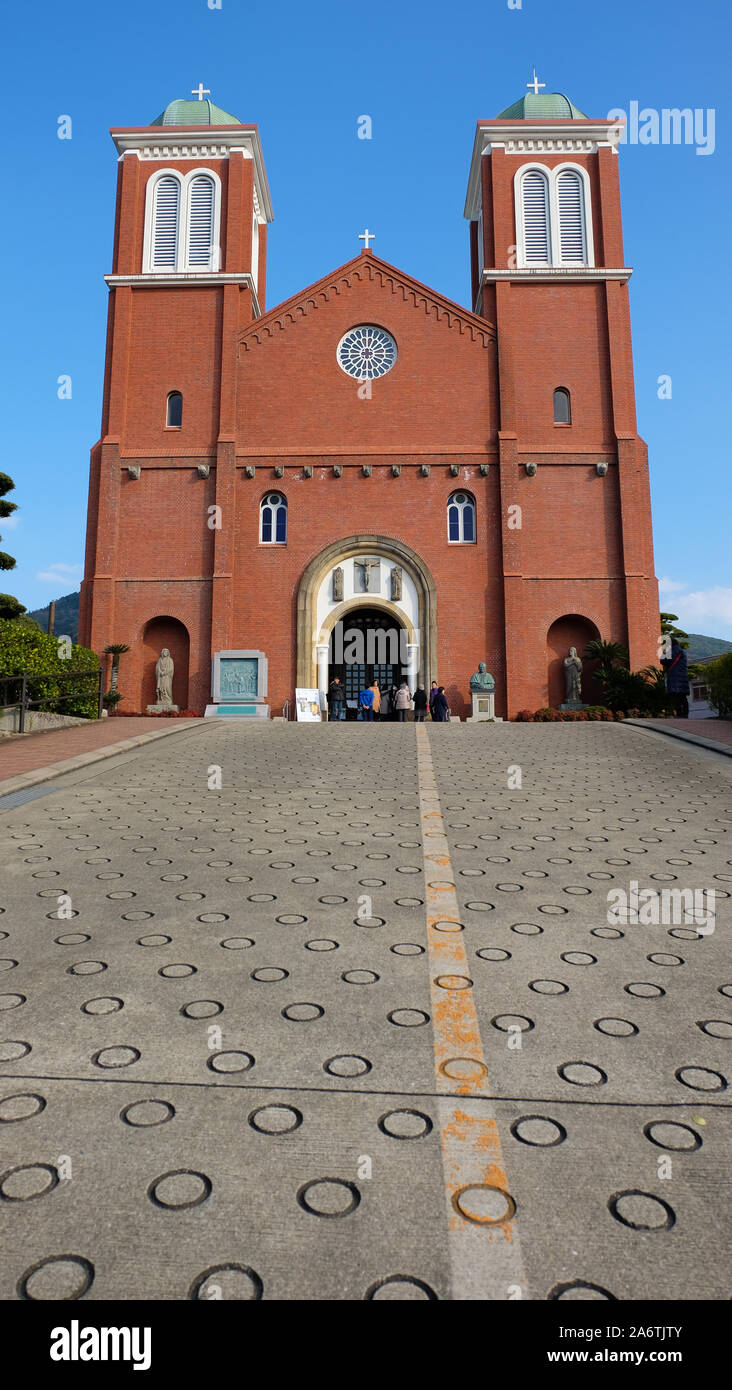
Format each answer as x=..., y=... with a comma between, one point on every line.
x=181, y=261
x=264, y=502
x=470, y=500
x=552, y=175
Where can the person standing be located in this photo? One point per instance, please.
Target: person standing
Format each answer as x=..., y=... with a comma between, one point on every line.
x=420, y=704
x=376, y=703
x=440, y=705
x=433, y=693
x=336, y=699
x=677, y=678
x=403, y=702
x=391, y=710
x=366, y=701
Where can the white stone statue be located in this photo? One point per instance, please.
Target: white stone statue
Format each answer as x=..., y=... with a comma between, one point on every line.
x=164, y=668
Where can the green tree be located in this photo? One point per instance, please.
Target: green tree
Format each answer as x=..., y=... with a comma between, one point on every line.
x=668, y=629
x=718, y=677
x=7, y=562
x=115, y=650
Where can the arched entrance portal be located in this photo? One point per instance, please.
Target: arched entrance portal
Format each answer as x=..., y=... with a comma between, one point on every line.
x=367, y=644
x=364, y=574
x=158, y=633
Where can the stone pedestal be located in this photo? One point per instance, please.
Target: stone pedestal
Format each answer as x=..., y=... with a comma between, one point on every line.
x=163, y=709
x=483, y=707
x=573, y=704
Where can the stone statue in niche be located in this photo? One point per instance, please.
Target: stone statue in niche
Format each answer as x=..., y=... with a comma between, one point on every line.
x=482, y=679
x=573, y=678
x=338, y=585
x=370, y=571
x=164, y=668
x=396, y=583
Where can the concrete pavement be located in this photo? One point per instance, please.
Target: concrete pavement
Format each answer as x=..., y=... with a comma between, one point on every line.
x=356, y=1025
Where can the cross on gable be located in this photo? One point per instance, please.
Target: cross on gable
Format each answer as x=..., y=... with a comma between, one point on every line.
x=534, y=85
x=200, y=91
x=367, y=237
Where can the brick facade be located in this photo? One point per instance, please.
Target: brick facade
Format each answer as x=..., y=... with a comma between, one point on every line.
x=470, y=391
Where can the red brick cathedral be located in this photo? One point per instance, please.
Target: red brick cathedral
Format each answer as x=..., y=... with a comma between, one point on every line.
x=369, y=457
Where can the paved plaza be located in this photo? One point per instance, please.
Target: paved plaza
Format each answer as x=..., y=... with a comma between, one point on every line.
x=336, y=1013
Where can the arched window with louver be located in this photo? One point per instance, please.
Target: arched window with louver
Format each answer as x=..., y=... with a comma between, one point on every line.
x=562, y=406
x=174, y=411
x=571, y=218
x=165, y=223
x=535, y=231
x=201, y=205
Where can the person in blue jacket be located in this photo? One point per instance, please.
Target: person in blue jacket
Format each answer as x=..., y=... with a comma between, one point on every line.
x=440, y=706
x=366, y=701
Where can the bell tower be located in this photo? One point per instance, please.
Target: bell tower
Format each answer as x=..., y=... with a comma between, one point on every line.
x=188, y=273
x=548, y=269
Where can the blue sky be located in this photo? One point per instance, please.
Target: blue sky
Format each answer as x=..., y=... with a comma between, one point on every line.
x=424, y=72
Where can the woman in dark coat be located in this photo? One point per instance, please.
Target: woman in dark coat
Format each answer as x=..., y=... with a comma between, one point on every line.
x=440, y=706
x=420, y=704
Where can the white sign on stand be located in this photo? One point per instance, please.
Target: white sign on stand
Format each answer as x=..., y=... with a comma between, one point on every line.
x=307, y=703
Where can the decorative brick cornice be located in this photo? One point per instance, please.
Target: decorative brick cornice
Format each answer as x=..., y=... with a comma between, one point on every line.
x=367, y=267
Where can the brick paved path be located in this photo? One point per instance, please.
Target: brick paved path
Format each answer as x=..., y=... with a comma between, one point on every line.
x=32, y=751
x=356, y=1025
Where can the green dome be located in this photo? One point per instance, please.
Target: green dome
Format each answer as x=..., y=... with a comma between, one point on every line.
x=542, y=107
x=183, y=112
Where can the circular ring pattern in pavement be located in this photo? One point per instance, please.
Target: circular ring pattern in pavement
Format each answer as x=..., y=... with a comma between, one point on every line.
x=484, y=1204
x=582, y=1074
x=539, y=1131
x=670, y=1134
x=701, y=1079
x=21, y=1106
x=225, y=1062
x=548, y=987
x=60, y=1278
x=202, y=1008
x=715, y=1027
x=303, y=1013
x=119, y=1056
x=400, y=1286
x=408, y=1018
x=28, y=1180
x=616, y=1027
x=180, y=1189
x=145, y=1114
x=329, y=1197
x=507, y=1022
x=276, y=1119
x=347, y=1064
x=641, y=1211
x=269, y=974
x=12, y=1049
x=360, y=977
x=643, y=989
x=228, y=1281
x=578, y=1289
x=105, y=1004
x=405, y=1124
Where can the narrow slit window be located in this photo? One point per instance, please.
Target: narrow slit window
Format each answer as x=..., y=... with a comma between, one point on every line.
x=174, y=411
x=562, y=406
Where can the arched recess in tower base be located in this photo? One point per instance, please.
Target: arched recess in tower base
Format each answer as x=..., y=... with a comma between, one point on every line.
x=313, y=631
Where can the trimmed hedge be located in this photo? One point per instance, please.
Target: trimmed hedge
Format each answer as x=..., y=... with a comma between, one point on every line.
x=36, y=653
x=597, y=713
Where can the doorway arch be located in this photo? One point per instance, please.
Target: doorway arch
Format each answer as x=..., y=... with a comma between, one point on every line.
x=367, y=644
x=572, y=630
x=171, y=633
x=314, y=631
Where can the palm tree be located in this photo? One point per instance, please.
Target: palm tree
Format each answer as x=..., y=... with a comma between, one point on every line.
x=115, y=650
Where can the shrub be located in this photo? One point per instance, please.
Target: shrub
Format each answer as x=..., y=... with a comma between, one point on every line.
x=718, y=676
x=524, y=716
x=23, y=649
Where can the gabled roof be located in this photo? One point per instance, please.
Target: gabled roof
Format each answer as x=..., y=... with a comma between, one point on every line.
x=370, y=267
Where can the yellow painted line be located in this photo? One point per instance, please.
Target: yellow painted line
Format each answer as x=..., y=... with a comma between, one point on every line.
x=482, y=1232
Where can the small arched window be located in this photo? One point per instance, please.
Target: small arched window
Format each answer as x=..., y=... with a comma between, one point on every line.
x=174, y=411
x=166, y=216
x=535, y=217
x=273, y=519
x=562, y=406
x=461, y=518
x=201, y=201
